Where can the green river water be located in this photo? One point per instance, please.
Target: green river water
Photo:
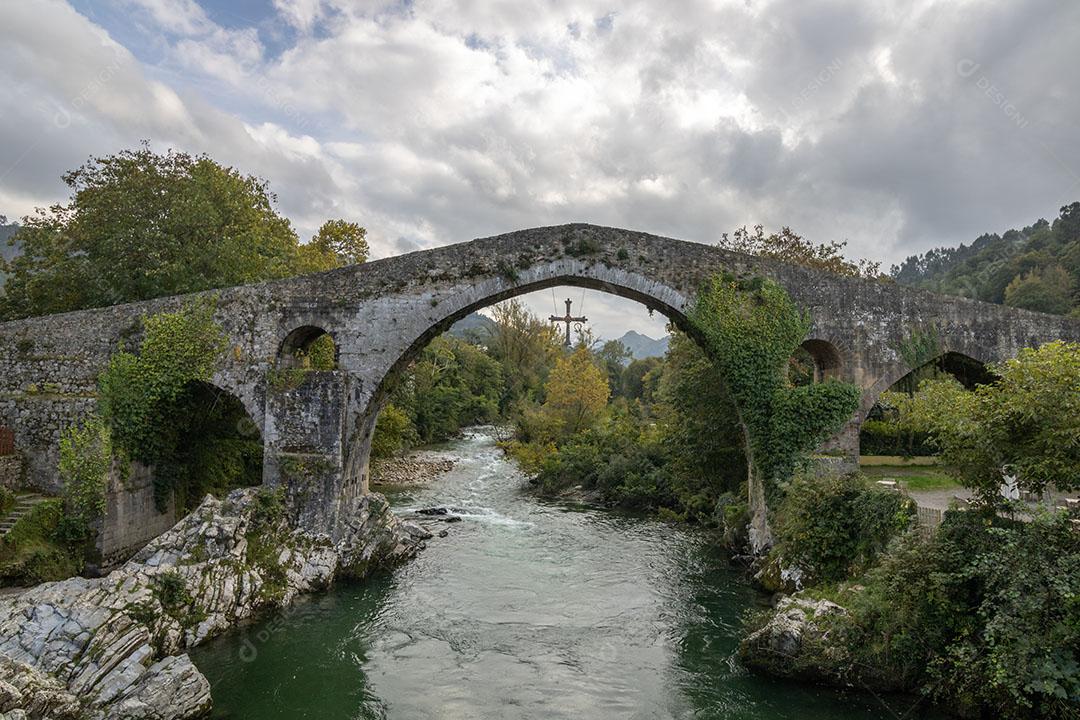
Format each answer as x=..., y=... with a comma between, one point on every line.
x=526, y=610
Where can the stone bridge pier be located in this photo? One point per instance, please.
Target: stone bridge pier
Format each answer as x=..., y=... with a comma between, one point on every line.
x=317, y=426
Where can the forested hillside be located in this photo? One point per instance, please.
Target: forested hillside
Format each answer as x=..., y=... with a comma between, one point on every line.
x=1037, y=268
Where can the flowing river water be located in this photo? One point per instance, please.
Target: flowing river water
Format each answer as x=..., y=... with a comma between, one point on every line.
x=526, y=610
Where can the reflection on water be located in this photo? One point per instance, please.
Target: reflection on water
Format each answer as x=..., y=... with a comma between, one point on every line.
x=526, y=610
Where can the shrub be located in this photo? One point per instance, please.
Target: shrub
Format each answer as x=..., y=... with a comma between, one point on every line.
x=393, y=432
x=881, y=437
x=85, y=460
x=322, y=354
x=982, y=616
x=835, y=527
x=146, y=398
x=32, y=552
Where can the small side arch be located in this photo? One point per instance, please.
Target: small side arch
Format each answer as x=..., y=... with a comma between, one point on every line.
x=828, y=362
x=308, y=346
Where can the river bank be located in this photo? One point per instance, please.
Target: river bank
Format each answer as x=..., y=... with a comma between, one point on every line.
x=117, y=646
x=416, y=467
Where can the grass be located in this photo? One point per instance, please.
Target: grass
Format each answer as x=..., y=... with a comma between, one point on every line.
x=896, y=461
x=914, y=474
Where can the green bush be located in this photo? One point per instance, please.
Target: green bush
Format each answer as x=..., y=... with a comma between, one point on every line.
x=7, y=501
x=881, y=437
x=984, y=616
x=33, y=551
x=156, y=405
x=835, y=527
x=85, y=460
x=393, y=432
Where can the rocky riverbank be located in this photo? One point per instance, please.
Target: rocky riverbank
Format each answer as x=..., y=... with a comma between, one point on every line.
x=417, y=468
x=811, y=641
x=115, y=647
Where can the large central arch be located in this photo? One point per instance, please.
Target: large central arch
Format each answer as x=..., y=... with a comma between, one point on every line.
x=422, y=318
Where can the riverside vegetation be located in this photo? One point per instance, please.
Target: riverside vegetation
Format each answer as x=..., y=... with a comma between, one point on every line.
x=983, y=616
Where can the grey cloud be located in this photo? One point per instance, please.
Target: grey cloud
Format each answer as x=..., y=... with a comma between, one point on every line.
x=443, y=121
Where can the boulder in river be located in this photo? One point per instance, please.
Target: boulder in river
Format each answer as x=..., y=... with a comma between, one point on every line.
x=794, y=641
x=115, y=646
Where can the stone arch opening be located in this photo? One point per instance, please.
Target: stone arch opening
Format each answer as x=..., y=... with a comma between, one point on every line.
x=881, y=435
x=966, y=369
x=827, y=359
x=308, y=347
x=215, y=446
x=654, y=296
x=667, y=301
x=815, y=361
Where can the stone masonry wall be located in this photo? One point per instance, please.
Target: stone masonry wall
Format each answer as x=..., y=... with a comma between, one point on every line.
x=12, y=472
x=132, y=519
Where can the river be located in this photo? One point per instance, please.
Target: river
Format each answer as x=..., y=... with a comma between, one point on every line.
x=527, y=609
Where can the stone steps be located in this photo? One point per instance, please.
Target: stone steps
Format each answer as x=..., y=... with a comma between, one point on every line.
x=23, y=505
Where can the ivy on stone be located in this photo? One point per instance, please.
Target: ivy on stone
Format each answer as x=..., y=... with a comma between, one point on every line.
x=139, y=391
x=750, y=328
x=85, y=460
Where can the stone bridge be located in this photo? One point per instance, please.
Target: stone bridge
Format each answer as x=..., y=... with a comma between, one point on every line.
x=317, y=436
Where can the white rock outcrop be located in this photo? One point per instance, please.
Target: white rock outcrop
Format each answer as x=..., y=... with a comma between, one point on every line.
x=114, y=647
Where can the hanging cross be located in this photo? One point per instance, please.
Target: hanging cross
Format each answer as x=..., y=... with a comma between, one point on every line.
x=568, y=319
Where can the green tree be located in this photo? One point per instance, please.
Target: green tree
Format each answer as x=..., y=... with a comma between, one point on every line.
x=85, y=460
x=700, y=423
x=139, y=225
x=526, y=347
x=635, y=378
x=981, y=617
x=336, y=244
x=1048, y=290
x=452, y=384
x=1026, y=423
x=613, y=357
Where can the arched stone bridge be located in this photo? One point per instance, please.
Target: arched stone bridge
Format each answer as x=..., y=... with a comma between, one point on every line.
x=381, y=314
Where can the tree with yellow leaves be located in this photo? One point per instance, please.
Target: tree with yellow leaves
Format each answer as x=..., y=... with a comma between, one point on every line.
x=577, y=391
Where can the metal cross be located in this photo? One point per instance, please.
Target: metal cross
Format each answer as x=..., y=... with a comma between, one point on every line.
x=568, y=320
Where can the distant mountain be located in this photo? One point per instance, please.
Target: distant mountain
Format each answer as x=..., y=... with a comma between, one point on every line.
x=643, y=346
x=472, y=327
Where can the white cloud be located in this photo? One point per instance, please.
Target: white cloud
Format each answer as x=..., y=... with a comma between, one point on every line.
x=440, y=120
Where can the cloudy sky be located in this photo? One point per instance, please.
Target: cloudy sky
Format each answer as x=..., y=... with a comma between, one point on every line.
x=895, y=125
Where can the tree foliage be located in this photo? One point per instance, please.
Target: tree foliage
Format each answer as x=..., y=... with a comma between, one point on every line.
x=337, y=243
x=162, y=411
x=834, y=528
x=526, y=347
x=981, y=617
x=85, y=460
x=140, y=225
x=790, y=247
x=1027, y=422
x=577, y=391
x=1047, y=289
x=451, y=384
x=1037, y=268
